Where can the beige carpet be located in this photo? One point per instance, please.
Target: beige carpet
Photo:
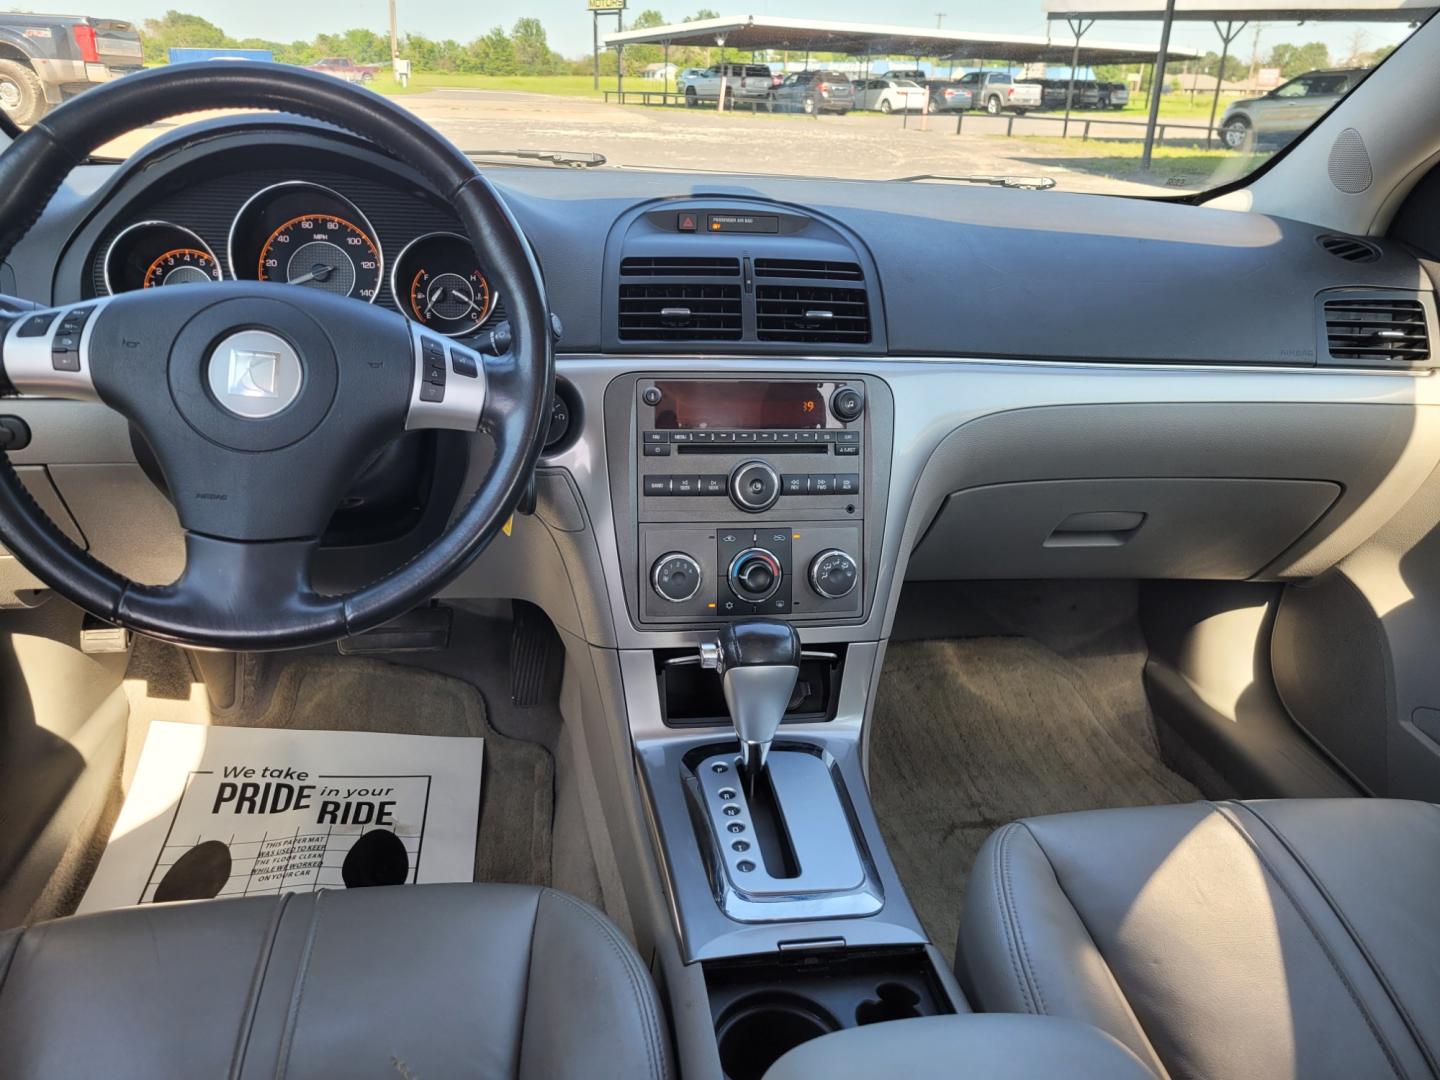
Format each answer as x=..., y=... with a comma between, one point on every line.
x=334, y=693
x=969, y=734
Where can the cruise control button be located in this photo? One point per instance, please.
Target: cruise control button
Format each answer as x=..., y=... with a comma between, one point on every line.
x=37, y=325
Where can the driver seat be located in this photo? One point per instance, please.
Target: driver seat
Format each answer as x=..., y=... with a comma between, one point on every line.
x=411, y=981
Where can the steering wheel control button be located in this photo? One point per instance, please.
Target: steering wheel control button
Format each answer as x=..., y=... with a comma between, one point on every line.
x=464, y=363
x=847, y=404
x=37, y=325
x=255, y=374
x=833, y=574
x=676, y=577
x=754, y=486
x=440, y=401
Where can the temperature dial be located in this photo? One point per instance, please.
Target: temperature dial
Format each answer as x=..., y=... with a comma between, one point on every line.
x=833, y=574
x=755, y=574
x=676, y=577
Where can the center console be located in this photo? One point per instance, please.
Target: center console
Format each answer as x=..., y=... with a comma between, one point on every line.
x=750, y=496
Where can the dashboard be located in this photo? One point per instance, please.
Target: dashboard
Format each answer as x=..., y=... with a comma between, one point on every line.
x=769, y=401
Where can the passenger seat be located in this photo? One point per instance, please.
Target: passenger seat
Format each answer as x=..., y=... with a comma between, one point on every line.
x=1224, y=941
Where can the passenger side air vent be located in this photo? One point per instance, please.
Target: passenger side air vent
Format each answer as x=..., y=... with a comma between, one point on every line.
x=811, y=313
x=680, y=312
x=808, y=268
x=1349, y=248
x=670, y=266
x=1377, y=330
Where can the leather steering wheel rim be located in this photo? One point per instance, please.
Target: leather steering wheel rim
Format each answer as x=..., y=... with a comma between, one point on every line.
x=517, y=389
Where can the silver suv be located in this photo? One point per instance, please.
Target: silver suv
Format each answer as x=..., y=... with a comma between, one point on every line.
x=1287, y=110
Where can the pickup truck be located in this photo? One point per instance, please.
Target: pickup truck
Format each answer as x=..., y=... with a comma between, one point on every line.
x=342, y=67
x=45, y=59
x=996, y=91
x=743, y=82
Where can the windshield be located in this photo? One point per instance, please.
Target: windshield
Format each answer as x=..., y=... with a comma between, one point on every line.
x=990, y=88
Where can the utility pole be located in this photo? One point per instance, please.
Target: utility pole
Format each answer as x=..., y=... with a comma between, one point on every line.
x=394, y=35
x=939, y=18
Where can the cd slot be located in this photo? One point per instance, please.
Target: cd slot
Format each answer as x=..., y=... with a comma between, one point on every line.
x=769, y=449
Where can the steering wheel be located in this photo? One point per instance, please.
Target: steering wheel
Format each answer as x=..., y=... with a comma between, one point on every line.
x=260, y=400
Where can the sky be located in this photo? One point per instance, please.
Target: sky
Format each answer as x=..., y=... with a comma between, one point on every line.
x=568, y=22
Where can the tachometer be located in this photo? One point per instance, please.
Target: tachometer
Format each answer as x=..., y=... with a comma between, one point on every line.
x=181, y=266
x=149, y=254
x=322, y=251
x=301, y=233
x=437, y=282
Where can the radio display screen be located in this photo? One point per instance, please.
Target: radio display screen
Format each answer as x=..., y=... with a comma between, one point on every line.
x=724, y=405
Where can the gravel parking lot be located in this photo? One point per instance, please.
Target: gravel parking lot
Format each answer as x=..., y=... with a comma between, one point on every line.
x=857, y=146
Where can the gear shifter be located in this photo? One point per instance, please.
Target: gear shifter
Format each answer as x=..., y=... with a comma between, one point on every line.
x=758, y=661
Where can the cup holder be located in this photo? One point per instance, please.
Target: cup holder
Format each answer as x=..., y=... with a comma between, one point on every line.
x=892, y=1001
x=756, y=1031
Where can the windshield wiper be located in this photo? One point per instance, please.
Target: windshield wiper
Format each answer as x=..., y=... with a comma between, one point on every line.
x=1030, y=183
x=566, y=158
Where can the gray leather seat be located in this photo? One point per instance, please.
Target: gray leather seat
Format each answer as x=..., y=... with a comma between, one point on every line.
x=1294, y=938
x=421, y=981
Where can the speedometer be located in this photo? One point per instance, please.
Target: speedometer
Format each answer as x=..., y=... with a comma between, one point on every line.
x=299, y=233
x=322, y=252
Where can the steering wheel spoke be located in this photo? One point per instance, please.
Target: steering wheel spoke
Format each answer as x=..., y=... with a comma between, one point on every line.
x=241, y=591
x=44, y=352
x=449, y=387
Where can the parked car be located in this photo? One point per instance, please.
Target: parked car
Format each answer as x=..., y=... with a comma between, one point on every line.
x=913, y=74
x=1287, y=110
x=815, y=92
x=743, y=82
x=1113, y=95
x=997, y=91
x=45, y=59
x=342, y=67
x=689, y=77
x=947, y=95
x=890, y=95
x=1054, y=93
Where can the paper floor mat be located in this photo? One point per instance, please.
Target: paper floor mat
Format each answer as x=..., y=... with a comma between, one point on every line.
x=224, y=811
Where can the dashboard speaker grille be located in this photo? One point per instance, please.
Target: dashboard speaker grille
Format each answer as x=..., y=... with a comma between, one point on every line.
x=1349, y=163
x=1377, y=330
x=811, y=313
x=675, y=311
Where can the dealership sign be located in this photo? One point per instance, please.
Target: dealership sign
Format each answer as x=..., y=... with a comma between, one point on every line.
x=606, y=5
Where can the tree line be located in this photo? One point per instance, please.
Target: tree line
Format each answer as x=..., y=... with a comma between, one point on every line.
x=522, y=50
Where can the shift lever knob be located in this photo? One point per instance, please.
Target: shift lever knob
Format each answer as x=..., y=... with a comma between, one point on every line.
x=758, y=661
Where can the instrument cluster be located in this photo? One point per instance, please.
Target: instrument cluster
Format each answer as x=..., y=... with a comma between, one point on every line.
x=311, y=236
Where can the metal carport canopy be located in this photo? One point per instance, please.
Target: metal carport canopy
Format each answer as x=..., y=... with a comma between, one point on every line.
x=753, y=33
x=1246, y=10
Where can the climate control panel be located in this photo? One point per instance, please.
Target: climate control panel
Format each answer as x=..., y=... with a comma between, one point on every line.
x=729, y=571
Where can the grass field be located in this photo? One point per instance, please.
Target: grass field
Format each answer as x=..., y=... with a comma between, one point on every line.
x=1177, y=166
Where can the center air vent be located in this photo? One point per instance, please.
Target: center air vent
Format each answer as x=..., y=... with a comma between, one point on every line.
x=811, y=313
x=1377, y=330
x=808, y=268
x=680, y=312
x=670, y=266
x=1349, y=248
